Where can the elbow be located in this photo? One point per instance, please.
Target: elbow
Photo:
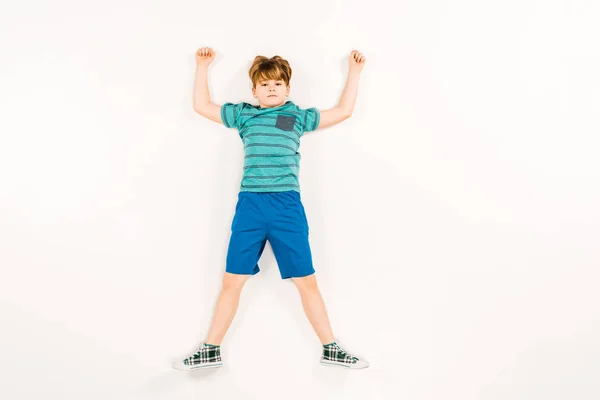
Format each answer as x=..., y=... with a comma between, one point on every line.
x=199, y=110
x=346, y=113
x=200, y=105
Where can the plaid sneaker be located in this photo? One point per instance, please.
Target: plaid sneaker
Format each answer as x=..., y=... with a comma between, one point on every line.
x=334, y=355
x=207, y=356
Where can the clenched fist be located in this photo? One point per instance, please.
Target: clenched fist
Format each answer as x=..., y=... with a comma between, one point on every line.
x=357, y=61
x=204, y=56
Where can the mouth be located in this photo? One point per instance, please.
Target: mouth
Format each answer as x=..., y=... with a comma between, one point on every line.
x=272, y=95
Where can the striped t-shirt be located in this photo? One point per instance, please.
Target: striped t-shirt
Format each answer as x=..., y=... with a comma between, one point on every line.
x=271, y=137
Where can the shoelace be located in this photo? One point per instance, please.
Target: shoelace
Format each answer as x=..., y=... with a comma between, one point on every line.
x=198, y=353
x=344, y=352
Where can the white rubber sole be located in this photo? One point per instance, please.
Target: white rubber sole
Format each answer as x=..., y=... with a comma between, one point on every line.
x=182, y=367
x=358, y=365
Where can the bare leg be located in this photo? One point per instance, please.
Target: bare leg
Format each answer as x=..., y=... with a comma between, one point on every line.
x=226, y=307
x=314, y=307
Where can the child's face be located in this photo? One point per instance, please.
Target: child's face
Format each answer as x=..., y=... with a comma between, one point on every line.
x=271, y=93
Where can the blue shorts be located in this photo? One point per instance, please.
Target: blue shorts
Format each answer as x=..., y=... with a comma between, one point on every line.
x=278, y=217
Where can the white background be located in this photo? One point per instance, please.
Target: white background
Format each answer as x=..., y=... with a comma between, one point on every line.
x=454, y=219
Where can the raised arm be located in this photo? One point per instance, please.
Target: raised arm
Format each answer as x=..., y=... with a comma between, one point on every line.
x=345, y=108
x=202, y=103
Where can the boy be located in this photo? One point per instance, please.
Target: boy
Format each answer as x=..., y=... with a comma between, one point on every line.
x=269, y=206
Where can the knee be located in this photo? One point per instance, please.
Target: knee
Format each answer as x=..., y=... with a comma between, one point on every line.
x=306, y=283
x=233, y=284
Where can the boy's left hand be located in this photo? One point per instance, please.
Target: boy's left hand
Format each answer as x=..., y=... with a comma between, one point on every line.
x=357, y=61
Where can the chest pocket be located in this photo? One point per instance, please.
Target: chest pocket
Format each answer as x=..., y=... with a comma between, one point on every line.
x=285, y=122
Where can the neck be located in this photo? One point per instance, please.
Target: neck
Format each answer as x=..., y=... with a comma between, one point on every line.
x=260, y=105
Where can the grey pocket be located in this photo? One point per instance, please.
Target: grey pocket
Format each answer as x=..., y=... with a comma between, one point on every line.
x=285, y=122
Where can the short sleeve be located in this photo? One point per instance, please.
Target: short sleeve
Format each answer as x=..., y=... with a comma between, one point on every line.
x=310, y=119
x=231, y=114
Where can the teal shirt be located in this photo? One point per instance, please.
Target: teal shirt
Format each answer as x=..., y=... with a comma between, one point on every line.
x=271, y=138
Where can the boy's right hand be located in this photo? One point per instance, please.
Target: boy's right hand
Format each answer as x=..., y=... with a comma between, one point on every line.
x=204, y=56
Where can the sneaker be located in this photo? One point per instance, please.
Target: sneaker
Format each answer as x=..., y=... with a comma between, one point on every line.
x=335, y=356
x=207, y=356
